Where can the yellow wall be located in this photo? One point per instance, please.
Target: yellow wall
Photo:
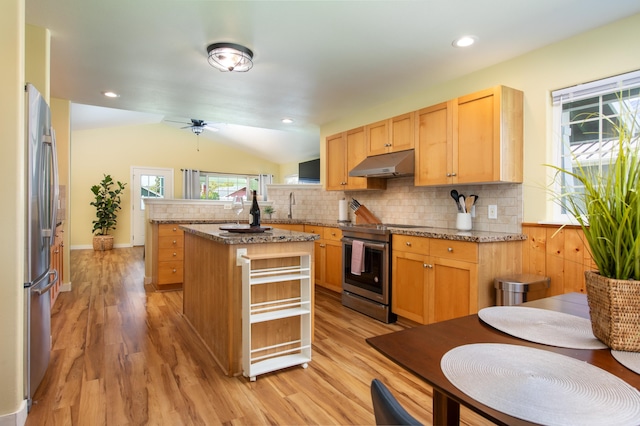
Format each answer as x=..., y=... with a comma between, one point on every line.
x=600, y=53
x=37, y=66
x=12, y=46
x=115, y=150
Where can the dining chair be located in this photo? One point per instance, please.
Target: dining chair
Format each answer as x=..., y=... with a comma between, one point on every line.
x=387, y=409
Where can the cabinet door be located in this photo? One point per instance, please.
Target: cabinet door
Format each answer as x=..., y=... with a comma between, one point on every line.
x=478, y=142
x=318, y=259
x=336, y=162
x=356, y=152
x=434, y=142
x=455, y=289
x=409, y=294
x=402, y=132
x=377, y=137
x=333, y=265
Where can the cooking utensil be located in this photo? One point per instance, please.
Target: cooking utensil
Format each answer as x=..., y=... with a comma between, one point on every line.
x=461, y=201
x=469, y=203
x=475, y=198
x=455, y=196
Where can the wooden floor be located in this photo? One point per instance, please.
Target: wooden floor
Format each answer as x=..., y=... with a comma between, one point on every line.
x=123, y=355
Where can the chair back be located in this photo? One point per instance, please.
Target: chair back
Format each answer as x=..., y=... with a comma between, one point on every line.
x=387, y=409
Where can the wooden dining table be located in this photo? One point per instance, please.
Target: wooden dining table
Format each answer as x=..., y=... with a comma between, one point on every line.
x=420, y=349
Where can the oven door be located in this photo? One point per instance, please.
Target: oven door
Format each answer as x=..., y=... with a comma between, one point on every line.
x=373, y=282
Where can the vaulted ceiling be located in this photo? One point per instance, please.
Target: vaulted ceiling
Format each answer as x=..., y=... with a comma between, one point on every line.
x=314, y=61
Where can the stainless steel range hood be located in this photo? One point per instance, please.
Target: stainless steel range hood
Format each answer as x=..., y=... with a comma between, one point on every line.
x=395, y=164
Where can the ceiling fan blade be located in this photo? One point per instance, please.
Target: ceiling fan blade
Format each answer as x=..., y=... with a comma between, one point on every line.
x=181, y=122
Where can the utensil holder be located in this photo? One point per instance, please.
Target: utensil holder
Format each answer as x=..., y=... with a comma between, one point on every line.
x=463, y=222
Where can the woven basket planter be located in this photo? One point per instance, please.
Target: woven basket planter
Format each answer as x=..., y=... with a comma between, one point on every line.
x=614, y=306
x=102, y=242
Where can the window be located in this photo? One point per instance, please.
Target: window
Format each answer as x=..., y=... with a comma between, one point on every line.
x=585, y=119
x=223, y=187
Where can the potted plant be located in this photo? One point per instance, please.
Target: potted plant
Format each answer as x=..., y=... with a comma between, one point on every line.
x=608, y=211
x=107, y=203
x=269, y=210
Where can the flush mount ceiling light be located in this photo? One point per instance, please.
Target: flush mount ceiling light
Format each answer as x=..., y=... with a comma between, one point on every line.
x=287, y=120
x=464, y=41
x=110, y=94
x=230, y=57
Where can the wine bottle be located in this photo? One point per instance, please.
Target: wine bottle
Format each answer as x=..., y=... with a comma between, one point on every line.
x=254, y=213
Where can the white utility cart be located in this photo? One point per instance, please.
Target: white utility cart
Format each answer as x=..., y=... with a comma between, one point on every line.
x=276, y=312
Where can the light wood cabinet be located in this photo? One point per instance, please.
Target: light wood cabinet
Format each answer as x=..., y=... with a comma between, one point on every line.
x=168, y=261
x=327, y=256
x=57, y=262
x=476, y=138
x=297, y=227
x=345, y=151
x=437, y=279
x=391, y=135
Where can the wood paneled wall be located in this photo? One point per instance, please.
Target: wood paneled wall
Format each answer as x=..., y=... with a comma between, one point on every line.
x=561, y=254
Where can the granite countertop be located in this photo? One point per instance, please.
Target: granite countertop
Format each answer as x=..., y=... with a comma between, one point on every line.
x=428, y=232
x=455, y=235
x=213, y=232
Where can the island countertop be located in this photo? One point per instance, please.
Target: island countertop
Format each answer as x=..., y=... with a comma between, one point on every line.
x=275, y=235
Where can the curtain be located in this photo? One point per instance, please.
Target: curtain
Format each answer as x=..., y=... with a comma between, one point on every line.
x=191, y=184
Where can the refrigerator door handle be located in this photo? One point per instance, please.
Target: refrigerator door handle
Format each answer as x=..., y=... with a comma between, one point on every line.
x=43, y=290
x=50, y=140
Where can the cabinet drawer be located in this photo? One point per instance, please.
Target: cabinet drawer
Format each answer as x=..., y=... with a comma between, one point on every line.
x=312, y=229
x=334, y=234
x=170, y=272
x=166, y=229
x=170, y=254
x=458, y=250
x=171, y=241
x=410, y=244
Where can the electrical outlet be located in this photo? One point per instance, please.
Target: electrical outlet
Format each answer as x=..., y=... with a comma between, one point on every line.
x=227, y=206
x=493, y=211
x=239, y=253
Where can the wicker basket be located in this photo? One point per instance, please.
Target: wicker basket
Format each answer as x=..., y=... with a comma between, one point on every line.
x=615, y=311
x=102, y=242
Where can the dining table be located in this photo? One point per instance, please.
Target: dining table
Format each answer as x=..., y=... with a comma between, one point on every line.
x=420, y=350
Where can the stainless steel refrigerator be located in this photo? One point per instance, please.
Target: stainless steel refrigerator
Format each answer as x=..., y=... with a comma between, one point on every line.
x=41, y=207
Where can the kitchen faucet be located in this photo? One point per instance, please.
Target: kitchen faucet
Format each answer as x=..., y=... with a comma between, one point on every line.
x=292, y=201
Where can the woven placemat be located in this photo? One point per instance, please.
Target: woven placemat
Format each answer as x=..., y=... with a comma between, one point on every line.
x=542, y=326
x=541, y=386
x=631, y=360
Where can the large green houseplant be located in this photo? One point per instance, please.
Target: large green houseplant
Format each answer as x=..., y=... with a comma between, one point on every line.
x=607, y=207
x=107, y=199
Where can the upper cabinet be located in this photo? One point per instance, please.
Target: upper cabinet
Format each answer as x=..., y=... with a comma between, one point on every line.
x=345, y=151
x=390, y=135
x=476, y=138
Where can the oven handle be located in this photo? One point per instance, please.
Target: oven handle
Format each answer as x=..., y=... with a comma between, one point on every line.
x=379, y=246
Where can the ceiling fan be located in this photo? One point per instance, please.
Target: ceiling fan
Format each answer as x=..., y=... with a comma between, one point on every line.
x=196, y=126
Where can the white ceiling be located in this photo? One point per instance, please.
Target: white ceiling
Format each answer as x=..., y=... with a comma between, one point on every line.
x=314, y=61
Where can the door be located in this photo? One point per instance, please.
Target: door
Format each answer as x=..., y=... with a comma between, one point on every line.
x=147, y=183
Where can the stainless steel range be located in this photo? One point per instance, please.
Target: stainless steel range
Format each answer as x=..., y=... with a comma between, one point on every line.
x=370, y=291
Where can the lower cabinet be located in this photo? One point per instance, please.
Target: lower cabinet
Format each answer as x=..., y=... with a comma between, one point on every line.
x=327, y=256
x=168, y=261
x=437, y=280
x=57, y=262
x=288, y=226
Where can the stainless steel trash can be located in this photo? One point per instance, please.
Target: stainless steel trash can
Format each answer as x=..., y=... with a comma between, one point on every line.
x=516, y=289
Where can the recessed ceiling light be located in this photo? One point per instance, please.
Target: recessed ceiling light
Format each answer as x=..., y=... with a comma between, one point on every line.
x=287, y=120
x=110, y=94
x=464, y=41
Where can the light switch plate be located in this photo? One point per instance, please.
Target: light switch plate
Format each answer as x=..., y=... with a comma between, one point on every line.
x=493, y=211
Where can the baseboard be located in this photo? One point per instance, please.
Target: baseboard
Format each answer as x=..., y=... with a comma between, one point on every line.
x=147, y=280
x=65, y=287
x=19, y=418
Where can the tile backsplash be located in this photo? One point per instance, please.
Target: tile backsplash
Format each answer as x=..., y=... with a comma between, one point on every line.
x=401, y=202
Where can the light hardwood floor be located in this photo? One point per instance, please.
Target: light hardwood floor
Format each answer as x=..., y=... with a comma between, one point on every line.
x=123, y=355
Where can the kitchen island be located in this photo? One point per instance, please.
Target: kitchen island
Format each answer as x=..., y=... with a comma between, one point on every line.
x=212, y=290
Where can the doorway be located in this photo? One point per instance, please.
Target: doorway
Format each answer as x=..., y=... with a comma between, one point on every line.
x=148, y=182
